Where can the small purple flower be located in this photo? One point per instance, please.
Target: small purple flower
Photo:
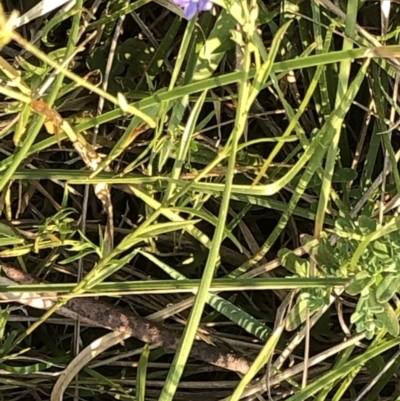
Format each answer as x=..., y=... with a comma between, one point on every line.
x=192, y=7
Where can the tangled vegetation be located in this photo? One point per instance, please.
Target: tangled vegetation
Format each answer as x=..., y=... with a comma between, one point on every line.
x=199, y=200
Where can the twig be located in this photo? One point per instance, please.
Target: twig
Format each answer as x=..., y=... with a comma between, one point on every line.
x=100, y=314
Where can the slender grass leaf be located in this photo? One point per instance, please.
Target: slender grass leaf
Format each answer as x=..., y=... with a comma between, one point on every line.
x=217, y=44
x=221, y=305
x=142, y=373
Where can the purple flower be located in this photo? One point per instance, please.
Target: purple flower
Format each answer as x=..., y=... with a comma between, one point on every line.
x=192, y=7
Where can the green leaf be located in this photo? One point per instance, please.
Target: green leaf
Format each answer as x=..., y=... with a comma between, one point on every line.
x=8, y=231
x=343, y=175
x=321, y=250
x=385, y=378
x=294, y=263
x=390, y=320
x=221, y=305
x=297, y=315
x=161, y=52
x=355, y=317
x=137, y=55
x=369, y=335
x=387, y=288
x=163, y=228
x=29, y=369
x=142, y=373
x=78, y=256
x=345, y=228
x=217, y=44
x=376, y=309
x=359, y=282
x=380, y=250
x=366, y=225
x=166, y=148
x=4, y=314
x=7, y=344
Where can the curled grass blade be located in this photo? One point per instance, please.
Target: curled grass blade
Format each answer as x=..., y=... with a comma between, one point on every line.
x=320, y=143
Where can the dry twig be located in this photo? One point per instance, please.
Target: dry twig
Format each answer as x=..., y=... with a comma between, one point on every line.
x=101, y=314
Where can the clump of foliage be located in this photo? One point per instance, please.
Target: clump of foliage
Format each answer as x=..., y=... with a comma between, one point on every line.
x=374, y=273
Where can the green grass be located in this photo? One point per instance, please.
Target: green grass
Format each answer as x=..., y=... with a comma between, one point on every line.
x=229, y=177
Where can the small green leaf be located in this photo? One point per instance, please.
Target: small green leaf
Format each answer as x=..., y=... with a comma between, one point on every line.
x=8, y=231
x=345, y=228
x=369, y=335
x=343, y=175
x=13, y=253
x=387, y=288
x=297, y=315
x=360, y=281
x=376, y=309
x=321, y=250
x=294, y=263
x=355, y=317
x=375, y=365
x=214, y=49
x=360, y=327
x=344, y=225
x=7, y=343
x=137, y=55
x=366, y=225
x=380, y=250
x=390, y=320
